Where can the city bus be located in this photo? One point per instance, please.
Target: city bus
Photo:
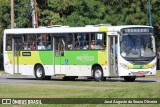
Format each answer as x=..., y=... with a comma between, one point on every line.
x=93, y=51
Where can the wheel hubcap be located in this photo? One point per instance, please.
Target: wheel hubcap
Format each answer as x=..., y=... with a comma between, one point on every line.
x=98, y=74
x=39, y=72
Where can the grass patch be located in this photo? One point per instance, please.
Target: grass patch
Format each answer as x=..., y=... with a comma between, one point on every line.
x=86, y=90
x=81, y=89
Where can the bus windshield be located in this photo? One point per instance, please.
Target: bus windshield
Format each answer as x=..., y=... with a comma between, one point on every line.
x=137, y=46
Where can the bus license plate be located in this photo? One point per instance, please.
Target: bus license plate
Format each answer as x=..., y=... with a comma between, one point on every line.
x=140, y=72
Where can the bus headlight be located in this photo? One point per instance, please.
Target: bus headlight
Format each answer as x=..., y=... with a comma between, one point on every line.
x=153, y=65
x=124, y=66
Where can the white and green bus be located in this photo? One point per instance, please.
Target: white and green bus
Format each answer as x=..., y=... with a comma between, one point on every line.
x=97, y=52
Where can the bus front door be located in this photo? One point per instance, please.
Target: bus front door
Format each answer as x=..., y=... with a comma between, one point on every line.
x=16, y=47
x=112, y=55
x=58, y=49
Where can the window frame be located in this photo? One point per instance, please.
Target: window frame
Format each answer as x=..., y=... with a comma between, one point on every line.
x=104, y=40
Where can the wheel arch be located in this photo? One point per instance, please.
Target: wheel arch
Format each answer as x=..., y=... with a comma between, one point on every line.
x=96, y=65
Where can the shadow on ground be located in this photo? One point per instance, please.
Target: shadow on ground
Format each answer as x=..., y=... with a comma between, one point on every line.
x=83, y=80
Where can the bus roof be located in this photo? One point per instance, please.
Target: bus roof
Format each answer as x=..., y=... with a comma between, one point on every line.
x=67, y=29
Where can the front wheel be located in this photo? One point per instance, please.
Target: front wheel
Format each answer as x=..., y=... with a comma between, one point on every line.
x=129, y=79
x=98, y=74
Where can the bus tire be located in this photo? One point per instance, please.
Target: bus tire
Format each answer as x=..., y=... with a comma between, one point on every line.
x=129, y=79
x=98, y=74
x=39, y=72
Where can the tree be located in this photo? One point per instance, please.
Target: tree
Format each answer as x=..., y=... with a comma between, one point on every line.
x=54, y=11
x=83, y=12
x=4, y=13
x=23, y=18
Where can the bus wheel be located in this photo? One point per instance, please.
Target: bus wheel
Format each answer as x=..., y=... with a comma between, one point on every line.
x=39, y=72
x=98, y=74
x=129, y=79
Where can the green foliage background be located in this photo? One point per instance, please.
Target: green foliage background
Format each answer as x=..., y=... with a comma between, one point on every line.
x=82, y=12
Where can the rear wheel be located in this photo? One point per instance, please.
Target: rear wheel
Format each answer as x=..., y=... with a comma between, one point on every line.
x=40, y=73
x=129, y=79
x=98, y=74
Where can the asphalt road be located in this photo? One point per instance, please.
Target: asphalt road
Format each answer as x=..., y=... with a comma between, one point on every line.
x=27, y=79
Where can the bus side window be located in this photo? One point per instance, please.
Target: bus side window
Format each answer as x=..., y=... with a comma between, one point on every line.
x=81, y=41
x=32, y=40
x=86, y=41
x=104, y=41
x=48, y=42
x=44, y=42
x=98, y=41
x=8, y=47
x=70, y=40
x=29, y=42
x=8, y=43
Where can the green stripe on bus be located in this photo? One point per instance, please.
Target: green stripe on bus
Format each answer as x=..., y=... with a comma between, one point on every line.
x=138, y=66
x=131, y=66
x=46, y=57
x=70, y=58
x=80, y=57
